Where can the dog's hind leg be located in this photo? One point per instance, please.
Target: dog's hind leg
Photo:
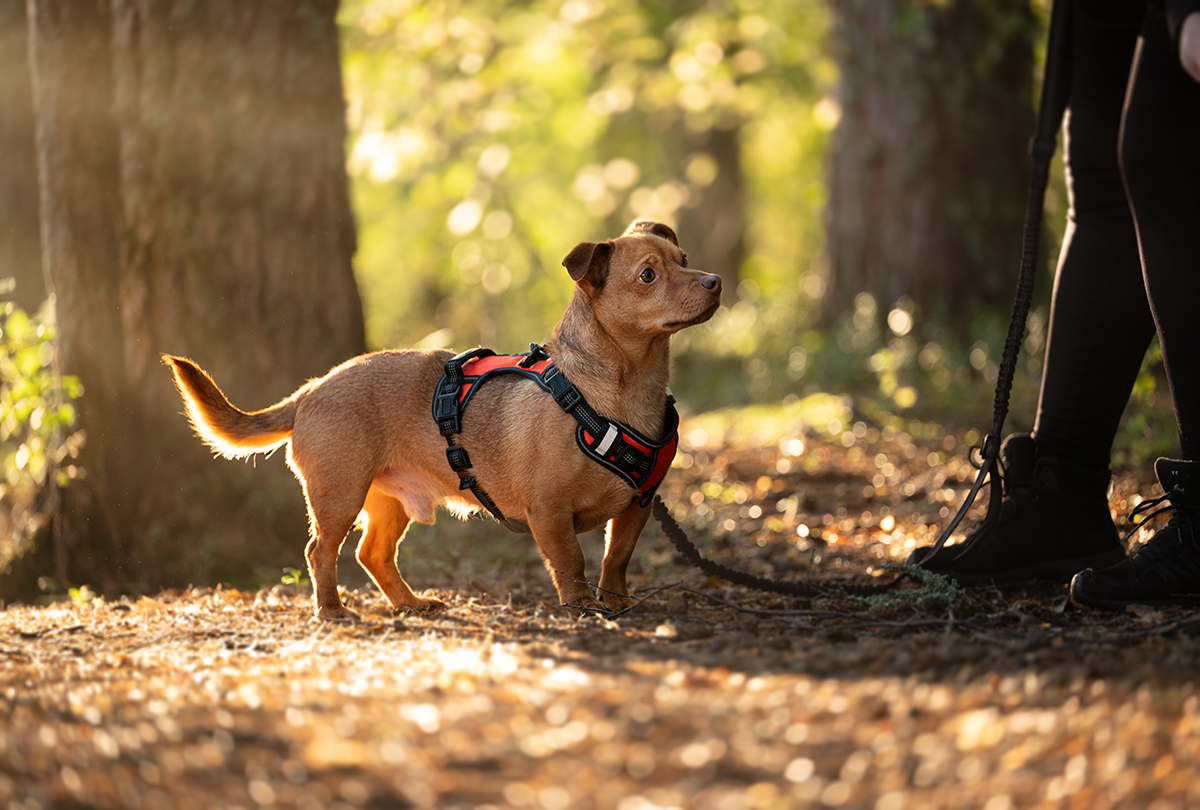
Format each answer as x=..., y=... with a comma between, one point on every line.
x=387, y=522
x=332, y=511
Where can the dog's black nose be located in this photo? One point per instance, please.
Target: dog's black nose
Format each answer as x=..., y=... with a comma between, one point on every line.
x=711, y=282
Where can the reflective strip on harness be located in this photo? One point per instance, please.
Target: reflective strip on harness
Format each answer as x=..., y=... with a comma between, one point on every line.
x=638, y=460
x=607, y=441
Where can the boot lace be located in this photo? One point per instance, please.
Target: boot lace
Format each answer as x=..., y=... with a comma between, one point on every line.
x=1175, y=547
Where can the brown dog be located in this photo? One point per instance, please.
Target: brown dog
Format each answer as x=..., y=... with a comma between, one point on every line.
x=362, y=438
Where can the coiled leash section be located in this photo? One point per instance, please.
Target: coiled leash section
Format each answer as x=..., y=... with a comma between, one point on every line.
x=687, y=549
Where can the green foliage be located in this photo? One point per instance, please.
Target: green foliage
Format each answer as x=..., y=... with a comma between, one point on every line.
x=933, y=587
x=37, y=445
x=893, y=364
x=295, y=577
x=900, y=370
x=82, y=595
x=488, y=138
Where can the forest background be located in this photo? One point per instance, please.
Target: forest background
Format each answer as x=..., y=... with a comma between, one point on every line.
x=854, y=170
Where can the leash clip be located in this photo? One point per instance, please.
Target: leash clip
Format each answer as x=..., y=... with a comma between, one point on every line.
x=537, y=353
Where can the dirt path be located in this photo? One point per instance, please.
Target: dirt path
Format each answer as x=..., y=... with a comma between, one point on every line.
x=702, y=697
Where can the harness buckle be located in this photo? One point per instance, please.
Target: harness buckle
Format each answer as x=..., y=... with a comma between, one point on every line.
x=563, y=390
x=569, y=398
x=445, y=411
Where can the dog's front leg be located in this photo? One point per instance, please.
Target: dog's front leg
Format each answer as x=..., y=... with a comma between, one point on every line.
x=559, y=546
x=623, y=533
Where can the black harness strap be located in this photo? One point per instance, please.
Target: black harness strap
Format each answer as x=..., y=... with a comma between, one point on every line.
x=638, y=460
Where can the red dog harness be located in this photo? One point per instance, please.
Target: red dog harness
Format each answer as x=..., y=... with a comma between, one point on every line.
x=638, y=460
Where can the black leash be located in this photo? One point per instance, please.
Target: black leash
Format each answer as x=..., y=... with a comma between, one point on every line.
x=1056, y=90
x=689, y=552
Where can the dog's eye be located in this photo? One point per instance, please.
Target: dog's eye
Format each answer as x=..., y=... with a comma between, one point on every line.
x=648, y=275
x=683, y=261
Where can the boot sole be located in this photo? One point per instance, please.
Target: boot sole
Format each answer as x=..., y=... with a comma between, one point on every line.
x=1081, y=597
x=1052, y=570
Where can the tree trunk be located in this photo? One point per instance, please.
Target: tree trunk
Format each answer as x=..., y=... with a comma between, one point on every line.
x=20, y=246
x=194, y=202
x=927, y=189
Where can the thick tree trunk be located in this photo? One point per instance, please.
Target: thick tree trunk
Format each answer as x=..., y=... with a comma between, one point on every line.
x=194, y=202
x=927, y=188
x=77, y=167
x=20, y=247
x=237, y=231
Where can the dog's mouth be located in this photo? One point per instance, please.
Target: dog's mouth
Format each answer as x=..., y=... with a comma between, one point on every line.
x=708, y=312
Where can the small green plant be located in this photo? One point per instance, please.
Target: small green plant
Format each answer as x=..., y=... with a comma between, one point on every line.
x=82, y=595
x=933, y=586
x=37, y=445
x=295, y=577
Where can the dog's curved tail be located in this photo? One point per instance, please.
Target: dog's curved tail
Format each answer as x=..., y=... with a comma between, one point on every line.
x=230, y=432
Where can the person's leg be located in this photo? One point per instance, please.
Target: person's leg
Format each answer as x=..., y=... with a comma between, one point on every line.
x=1161, y=159
x=1161, y=156
x=1100, y=323
x=1055, y=519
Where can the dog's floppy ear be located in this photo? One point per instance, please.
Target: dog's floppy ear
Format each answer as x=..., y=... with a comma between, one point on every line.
x=587, y=263
x=653, y=228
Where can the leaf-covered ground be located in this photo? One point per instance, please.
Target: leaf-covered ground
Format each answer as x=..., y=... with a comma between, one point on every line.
x=703, y=696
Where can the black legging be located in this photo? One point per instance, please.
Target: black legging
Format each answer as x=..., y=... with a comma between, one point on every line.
x=1107, y=300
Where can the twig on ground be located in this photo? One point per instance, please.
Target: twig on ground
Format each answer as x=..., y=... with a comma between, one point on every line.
x=832, y=614
x=614, y=614
x=864, y=621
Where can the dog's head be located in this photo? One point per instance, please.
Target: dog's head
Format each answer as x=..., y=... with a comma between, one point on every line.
x=641, y=282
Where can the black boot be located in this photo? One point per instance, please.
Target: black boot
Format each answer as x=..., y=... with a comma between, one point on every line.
x=1053, y=522
x=1166, y=569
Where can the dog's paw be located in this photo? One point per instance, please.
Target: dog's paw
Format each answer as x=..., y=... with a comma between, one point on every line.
x=336, y=613
x=584, y=605
x=615, y=602
x=423, y=606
